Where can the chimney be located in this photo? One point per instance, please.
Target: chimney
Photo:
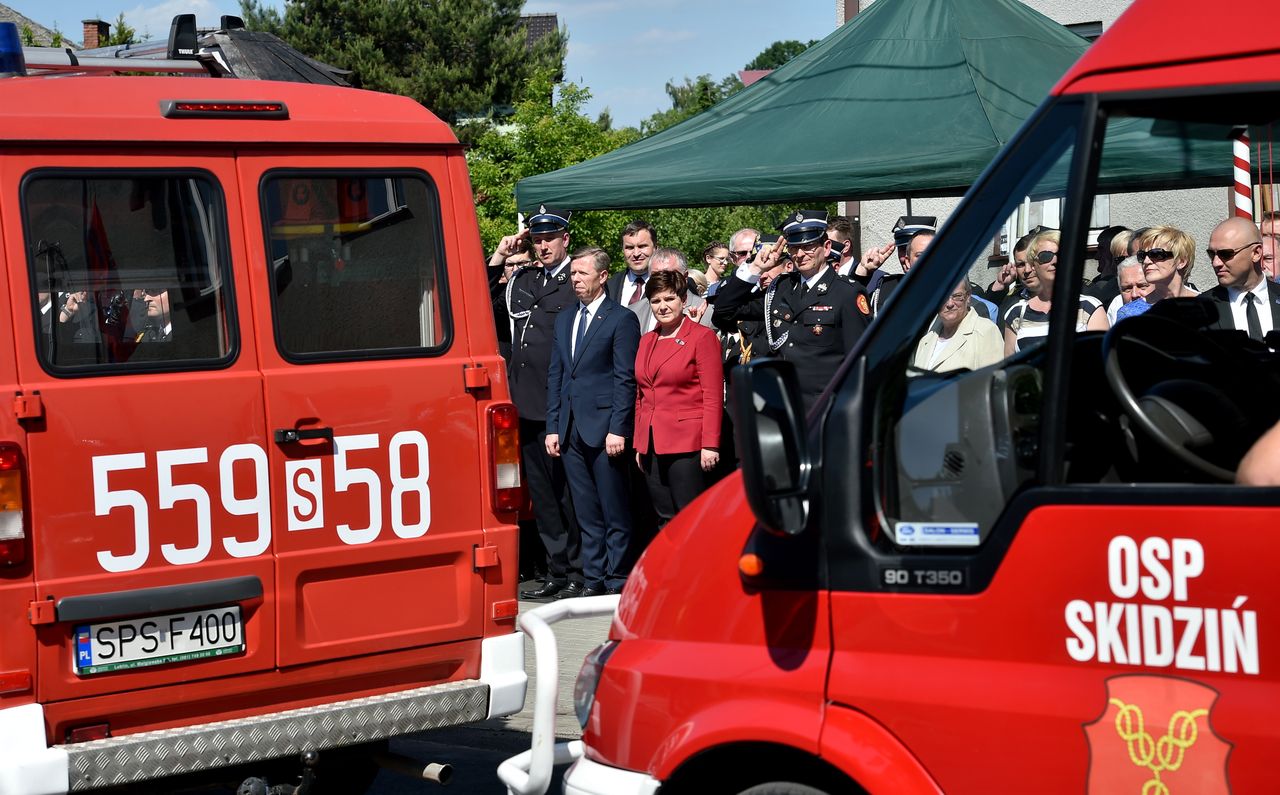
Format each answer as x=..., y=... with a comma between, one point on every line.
x=96, y=33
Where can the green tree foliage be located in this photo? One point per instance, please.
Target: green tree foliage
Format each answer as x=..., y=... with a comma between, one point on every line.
x=689, y=99
x=121, y=34
x=457, y=57
x=778, y=53
x=28, y=36
x=544, y=137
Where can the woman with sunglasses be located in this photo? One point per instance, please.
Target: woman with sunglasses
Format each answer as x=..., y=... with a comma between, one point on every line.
x=1027, y=322
x=1166, y=255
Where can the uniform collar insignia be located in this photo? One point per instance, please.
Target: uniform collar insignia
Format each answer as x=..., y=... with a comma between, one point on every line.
x=561, y=278
x=822, y=288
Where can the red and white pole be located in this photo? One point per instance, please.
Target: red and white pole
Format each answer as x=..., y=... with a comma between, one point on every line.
x=1243, y=179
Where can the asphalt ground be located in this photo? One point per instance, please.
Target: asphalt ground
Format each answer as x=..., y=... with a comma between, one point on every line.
x=476, y=751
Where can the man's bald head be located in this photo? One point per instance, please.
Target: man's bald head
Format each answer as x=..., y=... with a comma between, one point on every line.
x=1237, y=253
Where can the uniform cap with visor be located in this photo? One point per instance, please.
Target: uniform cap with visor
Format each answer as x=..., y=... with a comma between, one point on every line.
x=908, y=226
x=804, y=226
x=548, y=220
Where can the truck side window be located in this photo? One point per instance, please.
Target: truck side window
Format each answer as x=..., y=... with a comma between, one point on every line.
x=356, y=264
x=957, y=418
x=127, y=272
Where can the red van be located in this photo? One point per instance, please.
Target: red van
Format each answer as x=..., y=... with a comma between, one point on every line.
x=259, y=474
x=1034, y=576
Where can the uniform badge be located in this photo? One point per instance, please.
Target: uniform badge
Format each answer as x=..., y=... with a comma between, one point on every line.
x=817, y=330
x=799, y=216
x=542, y=209
x=822, y=288
x=864, y=306
x=561, y=278
x=777, y=323
x=787, y=316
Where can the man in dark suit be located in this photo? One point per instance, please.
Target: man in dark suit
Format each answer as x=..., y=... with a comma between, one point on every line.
x=533, y=298
x=638, y=241
x=812, y=317
x=591, y=399
x=1244, y=299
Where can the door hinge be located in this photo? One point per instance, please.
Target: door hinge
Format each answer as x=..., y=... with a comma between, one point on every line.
x=475, y=377
x=484, y=557
x=45, y=612
x=28, y=407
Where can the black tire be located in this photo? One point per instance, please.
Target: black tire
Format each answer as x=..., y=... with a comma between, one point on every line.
x=782, y=788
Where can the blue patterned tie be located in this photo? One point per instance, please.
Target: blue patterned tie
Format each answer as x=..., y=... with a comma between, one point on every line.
x=582, y=334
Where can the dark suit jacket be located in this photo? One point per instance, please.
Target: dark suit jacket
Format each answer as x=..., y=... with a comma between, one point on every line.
x=1222, y=304
x=597, y=391
x=616, y=284
x=680, y=390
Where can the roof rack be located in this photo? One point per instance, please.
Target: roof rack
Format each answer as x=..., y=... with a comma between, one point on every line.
x=181, y=54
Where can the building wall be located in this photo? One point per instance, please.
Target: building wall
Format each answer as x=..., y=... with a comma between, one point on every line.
x=1195, y=211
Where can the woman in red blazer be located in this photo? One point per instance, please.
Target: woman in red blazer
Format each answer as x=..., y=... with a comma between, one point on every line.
x=679, y=398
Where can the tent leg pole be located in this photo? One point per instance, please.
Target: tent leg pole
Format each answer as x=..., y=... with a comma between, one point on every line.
x=909, y=206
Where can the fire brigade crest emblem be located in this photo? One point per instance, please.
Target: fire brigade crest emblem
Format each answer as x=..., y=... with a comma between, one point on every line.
x=1155, y=737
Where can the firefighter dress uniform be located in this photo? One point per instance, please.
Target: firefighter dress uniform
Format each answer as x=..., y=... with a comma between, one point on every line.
x=811, y=325
x=533, y=298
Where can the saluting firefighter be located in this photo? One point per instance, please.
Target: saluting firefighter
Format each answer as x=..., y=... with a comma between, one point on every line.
x=812, y=317
x=534, y=296
x=911, y=235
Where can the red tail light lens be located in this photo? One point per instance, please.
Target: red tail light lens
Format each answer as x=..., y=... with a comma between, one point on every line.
x=13, y=528
x=504, y=448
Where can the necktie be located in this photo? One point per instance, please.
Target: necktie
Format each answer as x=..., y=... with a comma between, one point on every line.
x=1251, y=315
x=639, y=290
x=582, y=333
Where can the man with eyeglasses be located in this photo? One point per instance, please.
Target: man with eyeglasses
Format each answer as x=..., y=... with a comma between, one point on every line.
x=1244, y=299
x=812, y=317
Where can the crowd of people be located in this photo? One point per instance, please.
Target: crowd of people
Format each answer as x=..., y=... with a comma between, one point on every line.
x=620, y=380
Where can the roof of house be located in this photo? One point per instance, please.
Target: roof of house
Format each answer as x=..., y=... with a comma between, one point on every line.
x=43, y=36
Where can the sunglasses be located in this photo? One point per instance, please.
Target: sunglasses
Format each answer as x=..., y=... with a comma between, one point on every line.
x=741, y=254
x=1045, y=257
x=1228, y=254
x=1155, y=255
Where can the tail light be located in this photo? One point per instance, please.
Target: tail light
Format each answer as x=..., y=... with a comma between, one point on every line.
x=504, y=448
x=13, y=529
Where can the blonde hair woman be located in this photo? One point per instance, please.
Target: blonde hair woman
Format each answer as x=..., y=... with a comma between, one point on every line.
x=1027, y=322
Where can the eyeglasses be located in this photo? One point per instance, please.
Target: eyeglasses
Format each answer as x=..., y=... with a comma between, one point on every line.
x=1227, y=254
x=1045, y=257
x=957, y=298
x=721, y=260
x=1156, y=255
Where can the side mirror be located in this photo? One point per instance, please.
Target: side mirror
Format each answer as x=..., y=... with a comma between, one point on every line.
x=769, y=426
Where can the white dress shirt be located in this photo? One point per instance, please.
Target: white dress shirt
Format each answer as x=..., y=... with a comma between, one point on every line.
x=592, y=309
x=1262, y=302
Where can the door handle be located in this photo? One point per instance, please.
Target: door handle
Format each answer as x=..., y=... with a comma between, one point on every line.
x=291, y=435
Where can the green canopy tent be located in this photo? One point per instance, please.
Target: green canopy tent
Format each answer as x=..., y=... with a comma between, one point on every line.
x=911, y=98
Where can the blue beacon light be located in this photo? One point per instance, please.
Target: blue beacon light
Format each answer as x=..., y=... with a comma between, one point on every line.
x=11, y=60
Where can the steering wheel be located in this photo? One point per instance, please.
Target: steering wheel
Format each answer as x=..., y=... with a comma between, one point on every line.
x=1190, y=411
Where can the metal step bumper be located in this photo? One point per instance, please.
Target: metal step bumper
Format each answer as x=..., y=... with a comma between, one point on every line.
x=167, y=752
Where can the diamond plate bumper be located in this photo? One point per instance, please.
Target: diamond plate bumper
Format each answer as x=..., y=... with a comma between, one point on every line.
x=151, y=755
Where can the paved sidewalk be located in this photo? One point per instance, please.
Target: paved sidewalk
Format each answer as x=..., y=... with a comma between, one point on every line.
x=574, y=639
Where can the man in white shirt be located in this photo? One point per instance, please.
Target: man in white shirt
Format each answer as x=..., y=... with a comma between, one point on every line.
x=638, y=241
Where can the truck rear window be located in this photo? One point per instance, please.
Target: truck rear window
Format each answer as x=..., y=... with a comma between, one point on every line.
x=127, y=271
x=356, y=263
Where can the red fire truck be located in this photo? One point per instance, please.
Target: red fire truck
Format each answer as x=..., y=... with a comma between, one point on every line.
x=1034, y=576
x=258, y=474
